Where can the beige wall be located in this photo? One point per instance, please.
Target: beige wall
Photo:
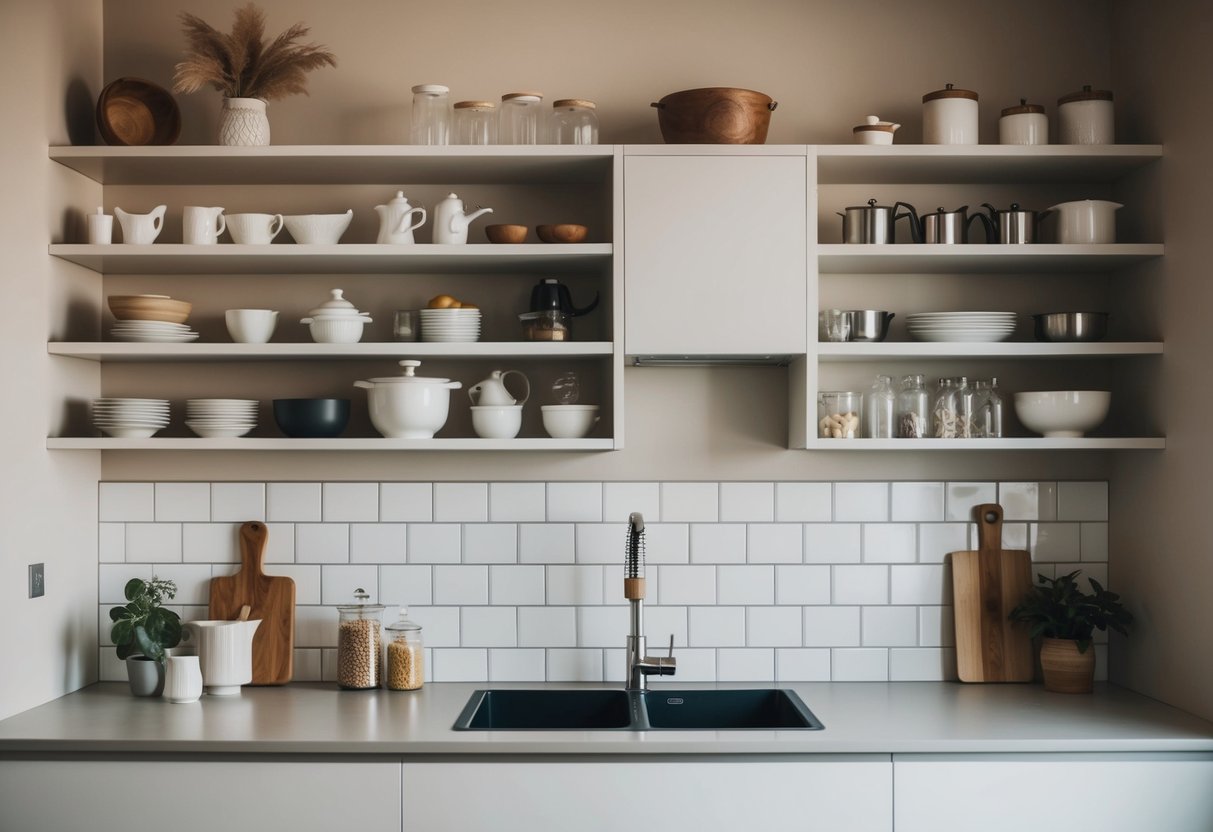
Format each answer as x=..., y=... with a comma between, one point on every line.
x=1161, y=557
x=50, y=54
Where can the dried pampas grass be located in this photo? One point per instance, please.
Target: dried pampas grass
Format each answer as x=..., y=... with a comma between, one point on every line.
x=241, y=64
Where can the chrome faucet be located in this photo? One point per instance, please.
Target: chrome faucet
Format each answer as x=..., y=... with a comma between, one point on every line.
x=640, y=666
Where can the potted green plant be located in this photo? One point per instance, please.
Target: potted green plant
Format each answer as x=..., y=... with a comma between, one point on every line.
x=1064, y=617
x=143, y=630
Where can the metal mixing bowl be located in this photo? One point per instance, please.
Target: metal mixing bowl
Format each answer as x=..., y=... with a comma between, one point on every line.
x=1071, y=326
x=869, y=324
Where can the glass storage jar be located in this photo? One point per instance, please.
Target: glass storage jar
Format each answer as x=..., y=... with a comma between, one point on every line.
x=405, y=655
x=944, y=409
x=964, y=414
x=987, y=409
x=878, y=409
x=521, y=118
x=913, y=409
x=838, y=414
x=574, y=121
x=431, y=118
x=359, y=643
x=475, y=122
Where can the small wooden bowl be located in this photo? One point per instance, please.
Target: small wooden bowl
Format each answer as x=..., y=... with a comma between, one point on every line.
x=505, y=233
x=149, y=308
x=563, y=233
x=132, y=111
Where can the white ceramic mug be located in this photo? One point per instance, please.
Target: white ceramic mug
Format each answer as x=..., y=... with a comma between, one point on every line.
x=250, y=326
x=100, y=228
x=497, y=421
x=141, y=229
x=254, y=229
x=182, y=679
x=201, y=226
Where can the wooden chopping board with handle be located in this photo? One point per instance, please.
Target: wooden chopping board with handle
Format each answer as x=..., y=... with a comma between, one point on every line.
x=269, y=598
x=987, y=585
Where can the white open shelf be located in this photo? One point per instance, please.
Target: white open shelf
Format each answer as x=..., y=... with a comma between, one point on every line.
x=123, y=351
x=339, y=164
x=986, y=163
x=1026, y=443
x=242, y=443
x=353, y=258
x=914, y=258
x=839, y=352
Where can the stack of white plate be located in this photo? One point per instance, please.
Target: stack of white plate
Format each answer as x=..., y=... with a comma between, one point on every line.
x=152, y=331
x=961, y=326
x=130, y=418
x=450, y=325
x=221, y=418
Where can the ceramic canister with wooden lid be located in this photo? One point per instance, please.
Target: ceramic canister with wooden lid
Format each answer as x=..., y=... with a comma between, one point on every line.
x=1023, y=124
x=1086, y=117
x=949, y=116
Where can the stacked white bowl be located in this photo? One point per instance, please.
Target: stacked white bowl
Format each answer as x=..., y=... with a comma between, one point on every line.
x=130, y=418
x=961, y=326
x=221, y=418
x=450, y=325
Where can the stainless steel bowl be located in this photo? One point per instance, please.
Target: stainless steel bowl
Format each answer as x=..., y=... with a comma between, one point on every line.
x=1071, y=326
x=869, y=324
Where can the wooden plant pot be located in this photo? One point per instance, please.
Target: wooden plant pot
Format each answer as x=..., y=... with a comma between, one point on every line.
x=1065, y=669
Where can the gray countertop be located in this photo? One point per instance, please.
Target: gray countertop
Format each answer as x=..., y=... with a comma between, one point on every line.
x=870, y=717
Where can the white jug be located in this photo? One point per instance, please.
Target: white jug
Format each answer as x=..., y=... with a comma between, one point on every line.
x=451, y=223
x=492, y=390
x=225, y=653
x=141, y=229
x=182, y=679
x=201, y=226
x=1086, y=221
x=394, y=217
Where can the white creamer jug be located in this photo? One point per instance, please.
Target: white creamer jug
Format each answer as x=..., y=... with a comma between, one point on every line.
x=225, y=653
x=492, y=390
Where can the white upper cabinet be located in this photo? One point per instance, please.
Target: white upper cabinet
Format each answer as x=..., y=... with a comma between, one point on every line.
x=715, y=253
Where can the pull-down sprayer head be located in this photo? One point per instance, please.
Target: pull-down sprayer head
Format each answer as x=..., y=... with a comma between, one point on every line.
x=633, y=570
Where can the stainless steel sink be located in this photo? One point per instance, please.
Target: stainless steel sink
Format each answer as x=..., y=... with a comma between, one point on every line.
x=651, y=710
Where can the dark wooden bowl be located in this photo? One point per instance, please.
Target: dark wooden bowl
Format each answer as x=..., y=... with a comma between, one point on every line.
x=132, y=111
x=506, y=233
x=714, y=115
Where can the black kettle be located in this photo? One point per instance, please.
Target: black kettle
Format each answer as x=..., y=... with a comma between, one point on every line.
x=550, y=293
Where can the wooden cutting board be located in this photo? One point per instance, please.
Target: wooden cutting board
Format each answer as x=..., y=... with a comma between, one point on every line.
x=987, y=585
x=271, y=599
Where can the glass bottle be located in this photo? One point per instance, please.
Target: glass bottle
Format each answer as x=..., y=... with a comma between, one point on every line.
x=913, y=409
x=521, y=118
x=405, y=655
x=431, y=119
x=359, y=643
x=964, y=408
x=878, y=409
x=988, y=409
x=944, y=410
x=475, y=122
x=574, y=121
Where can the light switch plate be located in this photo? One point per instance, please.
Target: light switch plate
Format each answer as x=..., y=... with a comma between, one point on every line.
x=37, y=580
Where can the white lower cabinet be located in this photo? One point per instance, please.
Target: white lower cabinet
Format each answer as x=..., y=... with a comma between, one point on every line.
x=1054, y=792
x=185, y=796
x=839, y=792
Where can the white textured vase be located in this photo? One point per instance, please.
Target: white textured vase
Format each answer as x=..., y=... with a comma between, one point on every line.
x=243, y=123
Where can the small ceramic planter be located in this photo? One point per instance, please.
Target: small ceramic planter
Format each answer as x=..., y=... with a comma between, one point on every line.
x=146, y=676
x=243, y=123
x=1065, y=669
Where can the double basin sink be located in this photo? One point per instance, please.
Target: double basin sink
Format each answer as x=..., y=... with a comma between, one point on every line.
x=620, y=710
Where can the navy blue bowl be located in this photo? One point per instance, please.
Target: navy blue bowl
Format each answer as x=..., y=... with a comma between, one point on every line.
x=312, y=418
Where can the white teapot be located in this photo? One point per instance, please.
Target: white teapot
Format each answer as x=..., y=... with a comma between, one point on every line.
x=451, y=223
x=493, y=392
x=394, y=217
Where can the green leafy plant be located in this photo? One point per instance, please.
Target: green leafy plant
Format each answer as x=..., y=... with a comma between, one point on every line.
x=143, y=626
x=1057, y=608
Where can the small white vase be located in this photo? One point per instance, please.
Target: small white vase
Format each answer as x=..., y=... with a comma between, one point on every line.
x=182, y=679
x=243, y=123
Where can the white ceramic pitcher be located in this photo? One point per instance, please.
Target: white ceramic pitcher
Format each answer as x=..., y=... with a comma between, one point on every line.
x=182, y=679
x=493, y=392
x=394, y=219
x=141, y=229
x=225, y=653
x=201, y=226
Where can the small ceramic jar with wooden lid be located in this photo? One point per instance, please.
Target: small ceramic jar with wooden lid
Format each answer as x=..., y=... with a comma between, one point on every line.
x=949, y=116
x=1086, y=117
x=875, y=131
x=1023, y=124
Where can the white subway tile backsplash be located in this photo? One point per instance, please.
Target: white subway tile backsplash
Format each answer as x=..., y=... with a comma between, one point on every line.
x=1024, y=500
x=183, y=501
x=575, y=502
x=802, y=664
x=439, y=625
x=126, y=502
x=773, y=627
x=1082, y=501
x=153, y=543
x=406, y=502
x=1093, y=541
x=935, y=627
x=694, y=665
x=667, y=542
x=111, y=542
x=963, y=496
x=921, y=585
x=193, y=580
x=306, y=665
x=339, y=584
x=547, y=626
x=690, y=502
x=602, y=626
x=747, y=502
x=804, y=502
x=801, y=584
x=745, y=664
x=516, y=585
x=718, y=543
x=459, y=665
x=743, y=585
x=409, y=585
x=861, y=502
x=210, y=542
x=917, y=501
x=490, y=543
x=890, y=543
x=293, y=502
x=434, y=543
x=775, y=543
x=237, y=502
x=936, y=540
x=489, y=626
x=659, y=624
x=547, y=543
x=687, y=584
x=620, y=499
x=378, y=542
x=601, y=542
x=1053, y=542
x=832, y=542
x=574, y=585
x=461, y=502
x=860, y=664
x=461, y=585
x=715, y=627
x=861, y=584
x=322, y=543
x=517, y=502
x=575, y=665
x=922, y=664
x=306, y=578
x=1014, y=535
x=831, y=626
x=280, y=543
x=889, y=626
x=523, y=665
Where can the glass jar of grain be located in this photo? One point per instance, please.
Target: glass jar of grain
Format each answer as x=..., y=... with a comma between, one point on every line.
x=359, y=643
x=405, y=655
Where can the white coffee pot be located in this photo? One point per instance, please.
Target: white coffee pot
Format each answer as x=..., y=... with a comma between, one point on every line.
x=450, y=221
x=141, y=229
x=394, y=220
x=492, y=390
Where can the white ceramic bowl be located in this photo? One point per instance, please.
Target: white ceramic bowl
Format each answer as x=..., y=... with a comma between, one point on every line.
x=250, y=326
x=1062, y=413
x=341, y=329
x=318, y=229
x=569, y=421
x=500, y=421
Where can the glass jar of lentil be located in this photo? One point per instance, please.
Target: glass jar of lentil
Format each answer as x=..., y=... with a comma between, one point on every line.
x=359, y=643
x=405, y=655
